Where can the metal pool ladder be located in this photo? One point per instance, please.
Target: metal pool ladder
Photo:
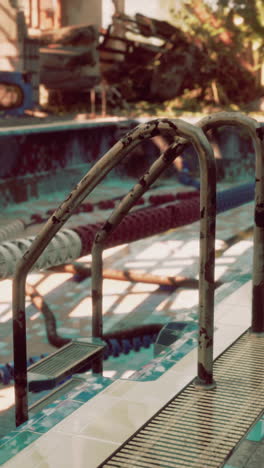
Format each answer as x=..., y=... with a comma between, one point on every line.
x=90, y=350
x=202, y=424
x=78, y=354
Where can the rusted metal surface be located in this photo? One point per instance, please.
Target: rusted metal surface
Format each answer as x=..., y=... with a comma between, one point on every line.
x=256, y=132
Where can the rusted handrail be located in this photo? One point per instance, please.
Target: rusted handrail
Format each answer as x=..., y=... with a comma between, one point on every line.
x=207, y=246
x=256, y=131
x=63, y=213
x=205, y=332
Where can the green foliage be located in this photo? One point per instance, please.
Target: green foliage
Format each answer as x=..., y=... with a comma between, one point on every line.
x=252, y=12
x=244, y=18
x=231, y=34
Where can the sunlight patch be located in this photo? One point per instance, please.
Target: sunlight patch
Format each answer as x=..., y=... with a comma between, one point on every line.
x=52, y=281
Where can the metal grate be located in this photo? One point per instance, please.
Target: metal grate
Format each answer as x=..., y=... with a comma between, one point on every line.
x=64, y=359
x=199, y=428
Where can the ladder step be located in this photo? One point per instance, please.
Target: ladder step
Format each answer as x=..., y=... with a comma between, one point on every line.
x=68, y=360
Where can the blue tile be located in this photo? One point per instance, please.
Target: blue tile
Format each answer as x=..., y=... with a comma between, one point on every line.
x=89, y=389
x=64, y=409
x=7, y=438
x=29, y=425
x=16, y=444
x=184, y=349
x=158, y=366
x=257, y=432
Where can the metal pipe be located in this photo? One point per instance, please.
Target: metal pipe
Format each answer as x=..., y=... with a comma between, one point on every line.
x=130, y=275
x=63, y=213
x=256, y=131
x=207, y=241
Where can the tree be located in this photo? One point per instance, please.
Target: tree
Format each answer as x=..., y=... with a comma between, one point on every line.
x=231, y=32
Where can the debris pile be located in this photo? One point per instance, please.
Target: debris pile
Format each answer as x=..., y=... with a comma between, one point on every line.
x=162, y=72
x=142, y=58
x=69, y=58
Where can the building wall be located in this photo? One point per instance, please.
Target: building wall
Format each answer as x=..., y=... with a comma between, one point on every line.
x=82, y=12
x=12, y=31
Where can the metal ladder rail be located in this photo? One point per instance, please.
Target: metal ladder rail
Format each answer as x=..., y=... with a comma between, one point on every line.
x=53, y=225
x=168, y=438
x=223, y=118
x=207, y=252
x=256, y=132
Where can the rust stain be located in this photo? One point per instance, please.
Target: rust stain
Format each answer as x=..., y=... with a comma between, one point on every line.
x=107, y=227
x=171, y=124
x=170, y=154
x=259, y=215
x=142, y=182
x=55, y=220
x=258, y=308
x=96, y=296
x=209, y=267
x=204, y=375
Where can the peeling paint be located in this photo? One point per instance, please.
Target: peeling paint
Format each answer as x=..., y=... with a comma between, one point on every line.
x=171, y=124
x=170, y=154
x=142, y=182
x=55, y=220
x=209, y=268
x=107, y=227
x=258, y=301
x=96, y=296
x=126, y=141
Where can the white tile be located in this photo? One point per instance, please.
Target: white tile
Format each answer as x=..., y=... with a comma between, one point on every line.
x=231, y=315
x=160, y=391
x=64, y=451
x=225, y=336
x=75, y=423
x=240, y=297
x=185, y=298
x=119, y=421
x=186, y=365
x=120, y=388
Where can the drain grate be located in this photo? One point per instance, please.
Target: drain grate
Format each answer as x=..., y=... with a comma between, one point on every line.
x=68, y=360
x=64, y=357
x=199, y=428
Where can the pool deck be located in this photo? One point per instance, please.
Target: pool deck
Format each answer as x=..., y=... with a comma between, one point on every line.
x=86, y=425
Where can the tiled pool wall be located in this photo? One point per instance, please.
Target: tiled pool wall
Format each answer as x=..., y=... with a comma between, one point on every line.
x=42, y=159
